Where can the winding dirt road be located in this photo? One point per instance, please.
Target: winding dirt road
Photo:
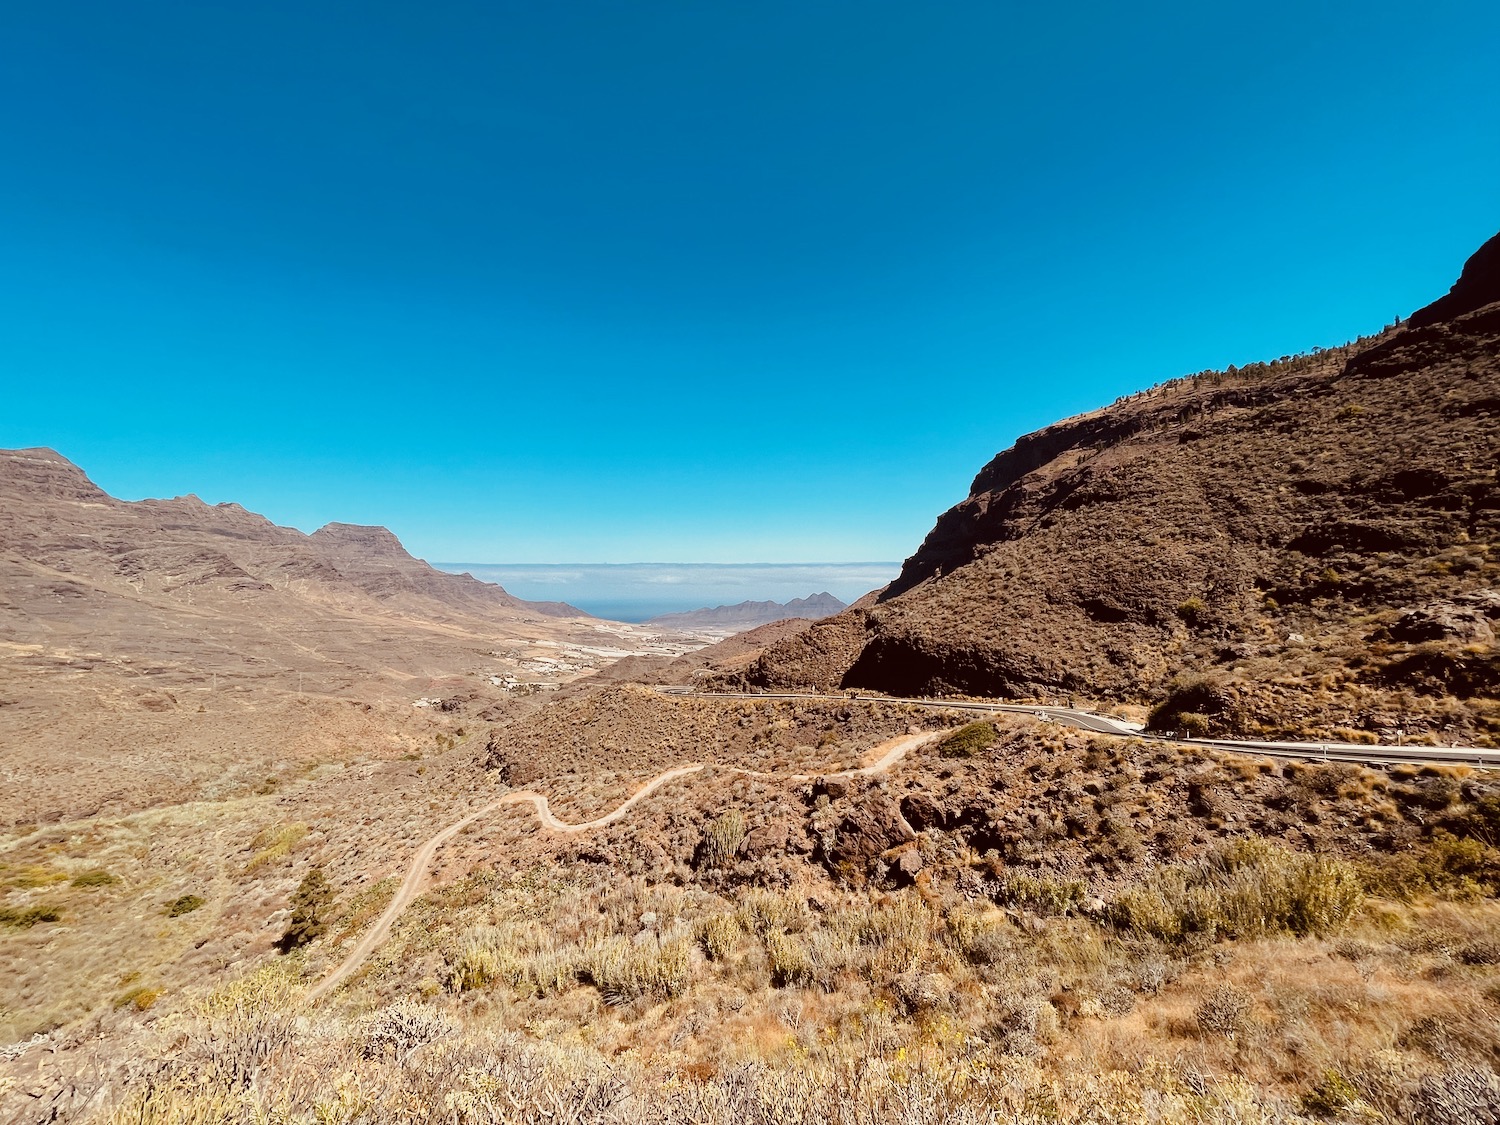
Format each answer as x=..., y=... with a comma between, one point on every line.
x=878, y=760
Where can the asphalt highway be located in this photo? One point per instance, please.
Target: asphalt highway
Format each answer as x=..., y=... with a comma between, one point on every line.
x=1378, y=754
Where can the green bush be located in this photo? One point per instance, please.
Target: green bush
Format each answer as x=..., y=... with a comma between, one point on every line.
x=96, y=878
x=184, y=905
x=24, y=917
x=969, y=740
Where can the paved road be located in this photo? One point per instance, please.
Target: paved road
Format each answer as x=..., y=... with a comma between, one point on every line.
x=1101, y=724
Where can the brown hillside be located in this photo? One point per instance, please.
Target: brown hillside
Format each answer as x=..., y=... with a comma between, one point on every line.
x=1288, y=548
x=171, y=649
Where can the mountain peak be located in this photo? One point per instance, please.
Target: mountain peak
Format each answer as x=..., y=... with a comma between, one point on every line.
x=1478, y=285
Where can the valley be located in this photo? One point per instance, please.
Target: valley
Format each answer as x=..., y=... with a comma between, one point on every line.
x=1162, y=785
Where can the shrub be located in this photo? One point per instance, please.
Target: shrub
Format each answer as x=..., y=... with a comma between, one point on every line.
x=1330, y=1097
x=1200, y=696
x=183, y=905
x=1192, y=612
x=1249, y=888
x=623, y=971
x=1481, y=951
x=95, y=878
x=789, y=960
x=718, y=934
x=402, y=1027
x=24, y=917
x=763, y=911
x=274, y=844
x=969, y=740
x=142, y=999
x=476, y=968
x=722, y=841
x=310, y=904
x=982, y=941
x=1224, y=1011
x=1194, y=725
x=1039, y=894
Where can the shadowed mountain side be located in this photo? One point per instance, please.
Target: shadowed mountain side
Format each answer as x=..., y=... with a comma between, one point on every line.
x=1314, y=538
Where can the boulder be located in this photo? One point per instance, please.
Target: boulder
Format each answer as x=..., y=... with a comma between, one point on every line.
x=869, y=829
x=1462, y=619
x=922, y=811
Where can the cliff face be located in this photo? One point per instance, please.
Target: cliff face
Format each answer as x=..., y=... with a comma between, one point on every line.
x=1265, y=531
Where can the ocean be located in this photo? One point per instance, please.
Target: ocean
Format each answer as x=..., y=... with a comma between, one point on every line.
x=638, y=591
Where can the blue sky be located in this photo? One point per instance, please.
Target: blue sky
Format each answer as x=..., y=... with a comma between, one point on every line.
x=719, y=282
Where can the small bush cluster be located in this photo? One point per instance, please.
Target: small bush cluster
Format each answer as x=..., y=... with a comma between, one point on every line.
x=969, y=740
x=95, y=878
x=310, y=905
x=718, y=934
x=1248, y=889
x=1038, y=893
x=24, y=917
x=1225, y=1011
x=185, y=904
x=402, y=1027
x=722, y=841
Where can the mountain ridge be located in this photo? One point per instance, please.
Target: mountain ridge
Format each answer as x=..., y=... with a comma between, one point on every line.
x=750, y=614
x=1261, y=531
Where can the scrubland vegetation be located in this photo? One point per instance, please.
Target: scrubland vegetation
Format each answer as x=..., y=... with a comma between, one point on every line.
x=552, y=996
x=1019, y=923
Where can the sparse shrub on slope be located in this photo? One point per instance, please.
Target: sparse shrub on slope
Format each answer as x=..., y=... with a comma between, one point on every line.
x=183, y=904
x=969, y=740
x=623, y=971
x=722, y=841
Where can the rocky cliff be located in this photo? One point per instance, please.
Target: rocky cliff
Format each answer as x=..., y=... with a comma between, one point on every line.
x=1239, y=547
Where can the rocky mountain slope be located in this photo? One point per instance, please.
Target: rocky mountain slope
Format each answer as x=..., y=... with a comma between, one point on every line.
x=750, y=614
x=1303, y=546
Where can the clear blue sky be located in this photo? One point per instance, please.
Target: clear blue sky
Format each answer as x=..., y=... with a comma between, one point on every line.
x=693, y=281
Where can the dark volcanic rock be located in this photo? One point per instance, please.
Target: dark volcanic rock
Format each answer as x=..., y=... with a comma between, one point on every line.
x=869, y=829
x=1466, y=619
x=922, y=812
x=1478, y=285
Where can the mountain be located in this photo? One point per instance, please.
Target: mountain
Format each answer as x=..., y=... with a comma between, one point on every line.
x=749, y=615
x=1295, y=547
x=165, y=648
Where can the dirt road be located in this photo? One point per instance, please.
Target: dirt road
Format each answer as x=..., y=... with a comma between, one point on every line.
x=878, y=760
